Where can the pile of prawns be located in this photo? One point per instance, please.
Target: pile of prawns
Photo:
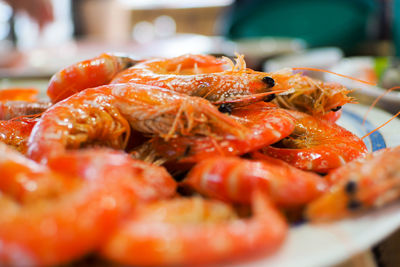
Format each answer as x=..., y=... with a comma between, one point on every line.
x=179, y=161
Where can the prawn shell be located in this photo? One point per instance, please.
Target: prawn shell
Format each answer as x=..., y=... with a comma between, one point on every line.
x=321, y=147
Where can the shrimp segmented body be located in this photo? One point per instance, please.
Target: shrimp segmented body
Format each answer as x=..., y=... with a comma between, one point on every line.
x=233, y=179
x=154, y=239
x=193, y=77
x=86, y=74
x=360, y=185
x=317, y=145
x=267, y=124
x=104, y=116
x=41, y=225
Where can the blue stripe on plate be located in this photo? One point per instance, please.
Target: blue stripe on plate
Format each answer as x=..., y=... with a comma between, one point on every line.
x=377, y=141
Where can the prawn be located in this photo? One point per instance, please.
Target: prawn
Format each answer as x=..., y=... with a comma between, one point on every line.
x=41, y=222
x=86, y=74
x=169, y=233
x=16, y=132
x=191, y=75
x=104, y=116
x=266, y=124
x=232, y=179
x=362, y=184
x=317, y=145
x=13, y=109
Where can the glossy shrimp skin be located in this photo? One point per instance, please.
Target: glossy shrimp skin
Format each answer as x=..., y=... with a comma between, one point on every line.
x=192, y=75
x=317, y=145
x=154, y=238
x=266, y=124
x=104, y=116
x=86, y=74
x=362, y=184
x=16, y=133
x=233, y=179
x=41, y=225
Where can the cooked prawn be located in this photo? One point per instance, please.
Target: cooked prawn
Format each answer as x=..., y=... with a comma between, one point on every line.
x=191, y=75
x=104, y=115
x=44, y=222
x=317, y=145
x=86, y=74
x=162, y=235
x=267, y=124
x=233, y=179
x=360, y=185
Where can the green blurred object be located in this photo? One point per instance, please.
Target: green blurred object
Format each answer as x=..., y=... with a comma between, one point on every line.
x=341, y=23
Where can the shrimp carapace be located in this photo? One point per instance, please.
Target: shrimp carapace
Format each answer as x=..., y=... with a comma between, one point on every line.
x=16, y=132
x=317, y=145
x=233, y=179
x=266, y=124
x=86, y=74
x=201, y=76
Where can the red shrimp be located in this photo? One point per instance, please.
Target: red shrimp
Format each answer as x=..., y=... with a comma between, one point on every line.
x=189, y=232
x=191, y=75
x=104, y=115
x=317, y=145
x=16, y=132
x=233, y=179
x=13, y=109
x=86, y=74
x=267, y=124
x=360, y=185
x=18, y=94
x=67, y=222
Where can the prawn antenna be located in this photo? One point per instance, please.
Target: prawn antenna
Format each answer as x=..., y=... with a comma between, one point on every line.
x=334, y=73
x=376, y=101
x=392, y=118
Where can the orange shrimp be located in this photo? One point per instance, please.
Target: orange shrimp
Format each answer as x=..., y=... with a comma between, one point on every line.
x=267, y=124
x=233, y=179
x=317, y=145
x=191, y=75
x=18, y=94
x=86, y=74
x=51, y=227
x=192, y=232
x=13, y=109
x=16, y=132
x=104, y=115
x=360, y=185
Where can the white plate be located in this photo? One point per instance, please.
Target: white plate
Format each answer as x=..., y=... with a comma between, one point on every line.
x=324, y=245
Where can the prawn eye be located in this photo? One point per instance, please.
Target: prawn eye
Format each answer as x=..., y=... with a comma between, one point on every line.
x=269, y=98
x=336, y=109
x=269, y=81
x=225, y=108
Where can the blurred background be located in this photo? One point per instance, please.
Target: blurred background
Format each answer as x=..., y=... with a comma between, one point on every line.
x=360, y=38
